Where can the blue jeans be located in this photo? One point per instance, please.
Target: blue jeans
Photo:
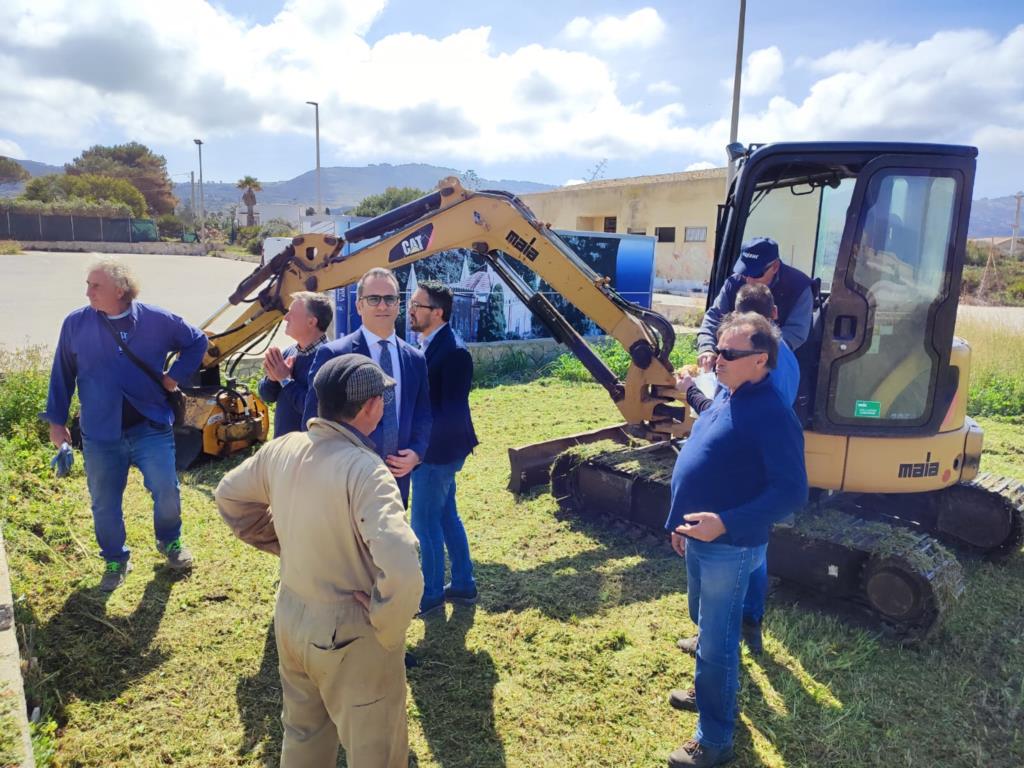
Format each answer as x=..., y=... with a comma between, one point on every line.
x=717, y=579
x=435, y=520
x=757, y=593
x=149, y=447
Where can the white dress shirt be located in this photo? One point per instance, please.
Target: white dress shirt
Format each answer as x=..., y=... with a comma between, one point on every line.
x=373, y=342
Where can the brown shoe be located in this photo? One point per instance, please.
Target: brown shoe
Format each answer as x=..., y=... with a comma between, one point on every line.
x=685, y=700
x=687, y=645
x=696, y=755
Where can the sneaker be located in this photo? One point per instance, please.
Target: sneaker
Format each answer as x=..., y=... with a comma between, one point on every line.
x=685, y=700
x=431, y=608
x=178, y=557
x=693, y=753
x=752, y=636
x=461, y=596
x=113, y=577
x=687, y=645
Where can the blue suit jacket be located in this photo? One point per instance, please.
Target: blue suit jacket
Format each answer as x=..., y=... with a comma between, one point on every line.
x=450, y=368
x=414, y=421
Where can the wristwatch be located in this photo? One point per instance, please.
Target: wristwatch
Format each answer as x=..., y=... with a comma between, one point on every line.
x=286, y=382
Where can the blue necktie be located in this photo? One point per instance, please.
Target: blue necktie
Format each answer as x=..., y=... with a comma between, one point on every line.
x=389, y=424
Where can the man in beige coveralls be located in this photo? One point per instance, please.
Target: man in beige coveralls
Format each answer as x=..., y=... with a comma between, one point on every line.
x=350, y=576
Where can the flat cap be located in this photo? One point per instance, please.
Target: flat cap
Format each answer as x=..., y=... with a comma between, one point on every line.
x=350, y=379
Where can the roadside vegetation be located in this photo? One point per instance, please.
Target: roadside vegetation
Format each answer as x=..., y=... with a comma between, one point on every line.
x=566, y=661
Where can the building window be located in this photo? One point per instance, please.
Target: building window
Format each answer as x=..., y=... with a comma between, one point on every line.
x=665, y=234
x=636, y=231
x=695, y=234
x=610, y=223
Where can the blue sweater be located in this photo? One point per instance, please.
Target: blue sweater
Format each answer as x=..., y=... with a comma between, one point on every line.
x=744, y=460
x=88, y=357
x=291, y=398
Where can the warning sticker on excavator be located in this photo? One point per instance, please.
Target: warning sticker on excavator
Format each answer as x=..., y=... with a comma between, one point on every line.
x=867, y=409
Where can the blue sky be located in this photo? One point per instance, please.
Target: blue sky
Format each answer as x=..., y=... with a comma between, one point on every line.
x=527, y=90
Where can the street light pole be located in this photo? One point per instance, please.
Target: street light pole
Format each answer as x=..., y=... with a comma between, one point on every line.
x=202, y=199
x=1016, y=226
x=734, y=128
x=319, y=201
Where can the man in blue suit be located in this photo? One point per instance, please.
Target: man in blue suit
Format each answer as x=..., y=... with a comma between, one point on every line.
x=403, y=433
x=435, y=518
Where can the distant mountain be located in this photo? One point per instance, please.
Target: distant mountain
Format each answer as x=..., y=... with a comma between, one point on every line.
x=39, y=169
x=343, y=187
x=993, y=217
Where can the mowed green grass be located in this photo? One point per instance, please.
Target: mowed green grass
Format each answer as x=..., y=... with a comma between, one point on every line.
x=565, y=662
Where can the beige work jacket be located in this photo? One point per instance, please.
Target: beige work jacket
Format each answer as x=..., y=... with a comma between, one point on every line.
x=328, y=505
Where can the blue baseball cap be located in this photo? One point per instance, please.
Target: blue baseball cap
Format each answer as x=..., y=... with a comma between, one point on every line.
x=756, y=255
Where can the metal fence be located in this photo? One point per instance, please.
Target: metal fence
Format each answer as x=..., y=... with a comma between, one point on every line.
x=36, y=226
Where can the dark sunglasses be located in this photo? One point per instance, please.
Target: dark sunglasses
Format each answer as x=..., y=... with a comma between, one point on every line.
x=414, y=305
x=374, y=300
x=731, y=354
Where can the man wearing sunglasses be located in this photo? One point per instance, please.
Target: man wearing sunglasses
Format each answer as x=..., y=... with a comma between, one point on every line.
x=759, y=264
x=403, y=434
x=740, y=471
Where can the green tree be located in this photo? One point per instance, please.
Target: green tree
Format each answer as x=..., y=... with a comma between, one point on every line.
x=492, y=318
x=389, y=199
x=89, y=187
x=251, y=185
x=135, y=163
x=11, y=171
x=470, y=180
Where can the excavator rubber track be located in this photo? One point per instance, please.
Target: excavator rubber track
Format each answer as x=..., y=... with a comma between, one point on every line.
x=900, y=579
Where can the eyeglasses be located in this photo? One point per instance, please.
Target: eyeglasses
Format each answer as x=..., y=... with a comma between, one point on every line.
x=374, y=300
x=731, y=354
x=414, y=305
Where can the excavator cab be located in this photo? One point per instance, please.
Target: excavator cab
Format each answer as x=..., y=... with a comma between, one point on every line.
x=881, y=230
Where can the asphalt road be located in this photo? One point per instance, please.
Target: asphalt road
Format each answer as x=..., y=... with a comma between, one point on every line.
x=38, y=289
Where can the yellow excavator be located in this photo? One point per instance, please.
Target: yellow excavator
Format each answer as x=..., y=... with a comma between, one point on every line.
x=891, y=455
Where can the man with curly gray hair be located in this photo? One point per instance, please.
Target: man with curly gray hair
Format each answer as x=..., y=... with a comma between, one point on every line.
x=125, y=414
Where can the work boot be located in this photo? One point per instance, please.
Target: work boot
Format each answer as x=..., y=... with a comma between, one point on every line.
x=113, y=577
x=178, y=557
x=461, y=596
x=685, y=700
x=752, y=636
x=688, y=645
x=693, y=753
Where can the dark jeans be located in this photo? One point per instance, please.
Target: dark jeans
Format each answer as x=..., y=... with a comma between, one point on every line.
x=149, y=447
x=437, y=525
x=717, y=579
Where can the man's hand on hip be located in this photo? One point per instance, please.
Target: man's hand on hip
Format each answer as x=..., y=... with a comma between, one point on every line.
x=704, y=526
x=679, y=543
x=59, y=434
x=402, y=463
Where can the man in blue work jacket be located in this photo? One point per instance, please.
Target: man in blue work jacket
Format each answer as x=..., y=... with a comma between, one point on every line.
x=403, y=434
x=125, y=416
x=435, y=516
x=740, y=471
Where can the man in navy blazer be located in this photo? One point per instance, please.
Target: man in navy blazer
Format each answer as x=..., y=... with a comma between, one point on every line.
x=403, y=433
x=435, y=518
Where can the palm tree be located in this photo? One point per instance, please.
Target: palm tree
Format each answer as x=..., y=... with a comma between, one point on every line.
x=251, y=185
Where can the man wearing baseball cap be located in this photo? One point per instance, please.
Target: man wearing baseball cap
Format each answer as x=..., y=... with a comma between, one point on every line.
x=759, y=263
x=350, y=572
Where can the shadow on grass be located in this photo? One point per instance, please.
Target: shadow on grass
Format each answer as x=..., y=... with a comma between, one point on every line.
x=454, y=692
x=259, y=705
x=96, y=656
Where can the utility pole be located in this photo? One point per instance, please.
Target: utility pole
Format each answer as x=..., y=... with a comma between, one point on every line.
x=192, y=182
x=202, y=200
x=1016, y=226
x=734, y=128
x=319, y=201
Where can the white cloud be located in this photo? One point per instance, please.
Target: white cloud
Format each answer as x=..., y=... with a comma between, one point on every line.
x=574, y=182
x=10, y=148
x=702, y=165
x=640, y=29
x=763, y=72
x=663, y=87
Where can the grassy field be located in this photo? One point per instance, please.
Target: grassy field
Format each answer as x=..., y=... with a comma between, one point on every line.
x=565, y=662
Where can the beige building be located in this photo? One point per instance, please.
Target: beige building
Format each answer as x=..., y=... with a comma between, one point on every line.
x=677, y=209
